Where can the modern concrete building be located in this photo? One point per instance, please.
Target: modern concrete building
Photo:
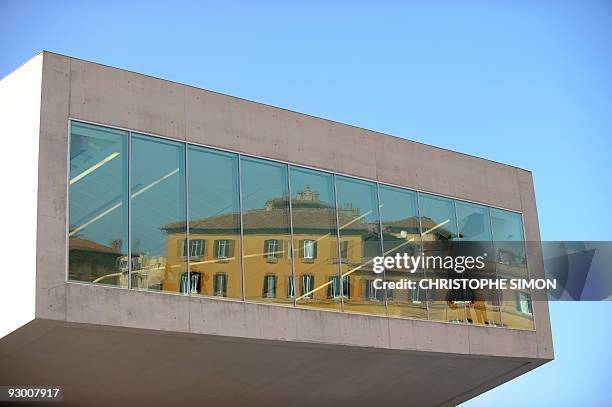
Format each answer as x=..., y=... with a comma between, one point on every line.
x=171, y=245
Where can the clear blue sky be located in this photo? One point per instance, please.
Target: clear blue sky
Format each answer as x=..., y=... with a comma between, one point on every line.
x=525, y=83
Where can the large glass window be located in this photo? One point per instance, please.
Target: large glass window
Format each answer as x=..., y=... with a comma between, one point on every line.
x=314, y=247
x=158, y=216
x=315, y=238
x=359, y=226
x=402, y=236
x=98, y=230
x=438, y=229
x=512, y=263
x=214, y=218
x=482, y=306
x=267, y=237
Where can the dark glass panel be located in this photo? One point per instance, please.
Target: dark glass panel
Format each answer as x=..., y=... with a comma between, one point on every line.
x=158, y=216
x=438, y=230
x=214, y=220
x=512, y=263
x=98, y=225
x=267, y=237
x=315, y=236
x=482, y=306
x=401, y=237
x=360, y=232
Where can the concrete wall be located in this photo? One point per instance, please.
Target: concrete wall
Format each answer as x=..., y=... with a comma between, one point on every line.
x=82, y=90
x=19, y=129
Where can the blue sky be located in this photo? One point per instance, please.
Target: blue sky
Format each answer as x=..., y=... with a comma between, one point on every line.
x=525, y=83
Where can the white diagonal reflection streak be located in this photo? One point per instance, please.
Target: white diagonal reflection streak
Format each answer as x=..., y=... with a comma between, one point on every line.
x=93, y=168
x=117, y=205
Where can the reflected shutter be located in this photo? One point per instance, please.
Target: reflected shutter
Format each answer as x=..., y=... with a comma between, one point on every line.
x=230, y=249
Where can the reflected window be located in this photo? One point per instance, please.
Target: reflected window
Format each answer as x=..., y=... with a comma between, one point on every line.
x=220, y=287
x=337, y=290
x=272, y=250
x=196, y=248
x=98, y=208
x=307, y=285
x=370, y=292
x=267, y=238
x=344, y=249
x=190, y=283
x=223, y=249
x=524, y=303
x=269, y=286
x=309, y=249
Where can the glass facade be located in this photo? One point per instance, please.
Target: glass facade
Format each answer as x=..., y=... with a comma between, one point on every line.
x=150, y=213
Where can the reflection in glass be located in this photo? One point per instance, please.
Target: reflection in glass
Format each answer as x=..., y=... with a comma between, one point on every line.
x=214, y=222
x=401, y=236
x=330, y=272
x=360, y=242
x=158, y=216
x=267, y=238
x=438, y=229
x=315, y=238
x=512, y=263
x=482, y=306
x=98, y=205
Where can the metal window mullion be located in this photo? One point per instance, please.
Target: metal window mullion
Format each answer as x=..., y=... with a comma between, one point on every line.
x=187, y=237
x=337, y=210
x=459, y=238
x=241, y=226
x=291, y=232
x=68, y=162
x=382, y=245
x=422, y=247
x=494, y=254
x=129, y=209
x=524, y=240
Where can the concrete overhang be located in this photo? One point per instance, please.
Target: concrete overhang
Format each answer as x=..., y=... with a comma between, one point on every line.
x=116, y=346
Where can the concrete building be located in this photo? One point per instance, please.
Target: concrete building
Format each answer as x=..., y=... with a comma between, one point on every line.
x=197, y=248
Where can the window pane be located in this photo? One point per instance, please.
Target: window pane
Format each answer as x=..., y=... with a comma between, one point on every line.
x=475, y=240
x=512, y=263
x=401, y=236
x=214, y=218
x=359, y=226
x=158, y=214
x=265, y=202
x=315, y=237
x=438, y=229
x=98, y=205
